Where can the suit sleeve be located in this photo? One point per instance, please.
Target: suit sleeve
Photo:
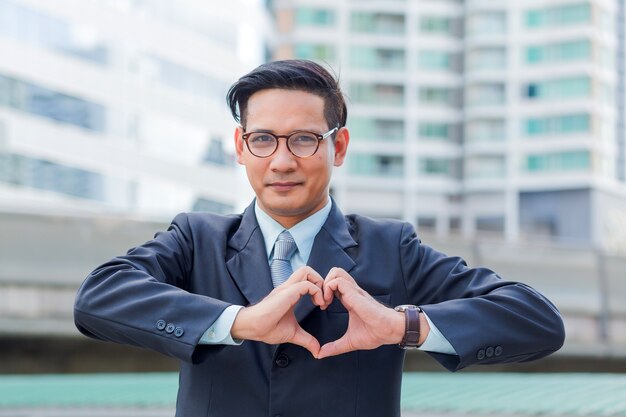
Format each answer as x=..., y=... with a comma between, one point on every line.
x=139, y=299
x=485, y=318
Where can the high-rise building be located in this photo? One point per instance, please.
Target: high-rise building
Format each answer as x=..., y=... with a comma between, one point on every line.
x=118, y=105
x=477, y=117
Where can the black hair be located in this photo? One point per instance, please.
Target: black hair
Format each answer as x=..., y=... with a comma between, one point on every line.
x=292, y=74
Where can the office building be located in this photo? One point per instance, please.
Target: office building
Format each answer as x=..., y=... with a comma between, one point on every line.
x=477, y=118
x=118, y=106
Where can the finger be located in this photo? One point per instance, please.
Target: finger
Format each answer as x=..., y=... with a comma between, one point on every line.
x=333, y=275
x=338, y=286
x=306, y=340
x=306, y=273
x=302, y=288
x=314, y=277
x=337, y=347
x=328, y=293
x=337, y=272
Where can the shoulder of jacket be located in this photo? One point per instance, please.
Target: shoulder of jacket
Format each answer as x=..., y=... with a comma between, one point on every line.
x=206, y=220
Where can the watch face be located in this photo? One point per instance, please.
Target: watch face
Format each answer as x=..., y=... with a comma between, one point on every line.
x=404, y=307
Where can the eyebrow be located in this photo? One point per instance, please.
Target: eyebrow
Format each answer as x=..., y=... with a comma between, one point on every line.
x=274, y=133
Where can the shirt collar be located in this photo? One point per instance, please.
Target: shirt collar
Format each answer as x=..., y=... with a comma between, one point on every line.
x=303, y=233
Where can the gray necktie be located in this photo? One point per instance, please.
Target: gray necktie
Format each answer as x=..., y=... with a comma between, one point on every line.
x=284, y=248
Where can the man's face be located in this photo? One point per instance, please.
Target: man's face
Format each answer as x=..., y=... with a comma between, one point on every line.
x=289, y=188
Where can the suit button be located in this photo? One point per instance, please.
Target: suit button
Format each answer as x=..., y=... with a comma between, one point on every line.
x=498, y=350
x=178, y=332
x=489, y=352
x=282, y=360
x=481, y=355
x=170, y=328
x=161, y=325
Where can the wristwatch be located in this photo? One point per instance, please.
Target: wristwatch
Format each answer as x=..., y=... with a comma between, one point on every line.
x=412, y=326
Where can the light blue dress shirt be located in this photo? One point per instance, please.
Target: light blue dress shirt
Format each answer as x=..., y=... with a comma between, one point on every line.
x=303, y=234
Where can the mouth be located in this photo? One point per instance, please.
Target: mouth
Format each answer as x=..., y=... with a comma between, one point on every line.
x=283, y=186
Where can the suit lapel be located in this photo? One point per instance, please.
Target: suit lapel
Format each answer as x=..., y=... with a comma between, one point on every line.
x=328, y=251
x=249, y=267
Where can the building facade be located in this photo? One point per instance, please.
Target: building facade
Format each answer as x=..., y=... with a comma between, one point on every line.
x=477, y=117
x=118, y=105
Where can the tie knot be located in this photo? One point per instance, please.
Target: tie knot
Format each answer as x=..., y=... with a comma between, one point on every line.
x=285, y=246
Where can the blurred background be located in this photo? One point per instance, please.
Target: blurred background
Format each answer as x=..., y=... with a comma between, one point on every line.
x=497, y=128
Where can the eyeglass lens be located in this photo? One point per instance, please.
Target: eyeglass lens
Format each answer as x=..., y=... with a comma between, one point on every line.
x=301, y=144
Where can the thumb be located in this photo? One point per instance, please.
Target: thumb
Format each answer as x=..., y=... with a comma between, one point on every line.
x=306, y=340
x=337, y=347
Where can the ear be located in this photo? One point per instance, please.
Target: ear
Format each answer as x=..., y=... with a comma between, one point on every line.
x=239, y=144
x=342, y=138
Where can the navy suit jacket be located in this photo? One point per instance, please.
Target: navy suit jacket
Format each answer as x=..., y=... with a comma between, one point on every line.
x=164, y=295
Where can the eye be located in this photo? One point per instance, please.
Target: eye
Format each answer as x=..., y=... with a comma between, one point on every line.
x=303, y=139
x=261, y=139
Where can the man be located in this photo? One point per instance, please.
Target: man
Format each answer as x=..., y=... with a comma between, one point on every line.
x=287, y=309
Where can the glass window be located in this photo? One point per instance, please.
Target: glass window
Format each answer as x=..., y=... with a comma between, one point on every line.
x=435, y=130
x=486, y=94
x=307, y=16
x=559, y=15
x=440, y=25
x=314, y=51
x=486, y=58
x=444, y=96
x=558, y=125
x=376, y=58
x=436, y=24
x=607, y=22
x=46, y=175
x=435, y=60
x=607, y=57
x=486, y=130
x=486, y=23
x=377, y=22
x=447, y=167
x=383, y=94
x=559, y=88
x=485, y=166
x=559, y=52
x=376, y=165
x=35, y=28
x=51, y=104
x=561, y=161
x=368, y=128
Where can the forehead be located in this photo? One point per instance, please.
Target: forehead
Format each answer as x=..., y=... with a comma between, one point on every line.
x=286, y=106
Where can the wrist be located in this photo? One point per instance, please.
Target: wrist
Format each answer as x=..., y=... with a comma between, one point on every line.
x=243, y=328
x=398, y=326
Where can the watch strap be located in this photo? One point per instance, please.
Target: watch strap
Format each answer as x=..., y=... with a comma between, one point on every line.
x=412, y=326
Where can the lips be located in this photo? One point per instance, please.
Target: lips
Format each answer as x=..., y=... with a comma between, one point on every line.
x=283, y=186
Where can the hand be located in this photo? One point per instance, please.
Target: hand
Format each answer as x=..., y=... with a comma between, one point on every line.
x=273, y=321
x=370, y=324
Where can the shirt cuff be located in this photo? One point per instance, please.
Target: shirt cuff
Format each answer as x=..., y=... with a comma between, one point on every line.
x=435, y=341
x=219, y=332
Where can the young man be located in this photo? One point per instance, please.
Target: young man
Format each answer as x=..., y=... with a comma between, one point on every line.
x=288, y=309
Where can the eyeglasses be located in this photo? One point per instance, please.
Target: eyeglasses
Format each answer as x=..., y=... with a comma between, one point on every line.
x=301, y=143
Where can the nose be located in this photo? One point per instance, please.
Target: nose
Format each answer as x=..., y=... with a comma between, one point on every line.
x=282, y=158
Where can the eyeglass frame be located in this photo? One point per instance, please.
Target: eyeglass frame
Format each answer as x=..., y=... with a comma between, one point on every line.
x=319, y=137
